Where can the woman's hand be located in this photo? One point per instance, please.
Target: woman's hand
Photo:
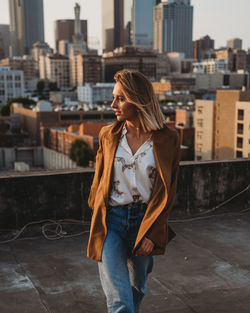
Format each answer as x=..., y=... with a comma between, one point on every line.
x=146, y=247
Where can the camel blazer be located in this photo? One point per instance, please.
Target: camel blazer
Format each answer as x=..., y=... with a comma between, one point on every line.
x=166, y=148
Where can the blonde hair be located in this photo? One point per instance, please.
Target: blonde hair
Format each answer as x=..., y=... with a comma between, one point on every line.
x=138, y=90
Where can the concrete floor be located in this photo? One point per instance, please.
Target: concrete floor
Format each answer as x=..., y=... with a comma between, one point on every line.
x=206, y=270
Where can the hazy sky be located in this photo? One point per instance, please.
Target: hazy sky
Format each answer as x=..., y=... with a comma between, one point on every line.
x=221, y=19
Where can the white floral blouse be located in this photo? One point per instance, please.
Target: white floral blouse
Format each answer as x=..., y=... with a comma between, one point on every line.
x=133, y=175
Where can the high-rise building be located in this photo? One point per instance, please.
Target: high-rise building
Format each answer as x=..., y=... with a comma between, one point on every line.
x=234, y=43
x=173, y=27
x=112, y=24
x=26, y=25
x=202, y=46
x=4, y=41
x=142, y=23
x=65, y=30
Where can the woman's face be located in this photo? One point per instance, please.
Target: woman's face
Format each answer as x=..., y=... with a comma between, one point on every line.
x=123, y=109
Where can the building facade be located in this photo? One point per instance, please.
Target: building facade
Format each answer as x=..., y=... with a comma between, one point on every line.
x=225, y=125
x=234, y=43
x=4, y=41
x=242, y=122
x=65, y=30
x=29, y=67
x=142, y=23
x=112, y=24
x=11, y=84
x=211, y=66
x=99, y=93
x=130, y=58
x=26, y=25
x=222, y=126
x=89, y=69
x=173, y=27
x=236, y=58
x=202, y=46
x=55, y=68
x=204, y=129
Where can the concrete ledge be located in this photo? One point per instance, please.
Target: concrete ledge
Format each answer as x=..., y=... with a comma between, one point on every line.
x=56, y=195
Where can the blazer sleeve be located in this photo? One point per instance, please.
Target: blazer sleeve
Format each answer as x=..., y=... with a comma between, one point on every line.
x=161, y=222
x=98, y=172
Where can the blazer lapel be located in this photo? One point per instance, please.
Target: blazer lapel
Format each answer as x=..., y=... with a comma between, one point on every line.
x=111, y=144
x=162, y=145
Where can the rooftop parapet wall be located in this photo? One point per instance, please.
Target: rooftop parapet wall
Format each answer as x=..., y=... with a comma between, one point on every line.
x=201, y=186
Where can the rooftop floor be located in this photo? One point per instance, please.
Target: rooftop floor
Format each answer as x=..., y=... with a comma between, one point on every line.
x=206, y=269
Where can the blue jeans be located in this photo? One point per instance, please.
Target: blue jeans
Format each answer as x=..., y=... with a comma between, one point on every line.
x=123, y=275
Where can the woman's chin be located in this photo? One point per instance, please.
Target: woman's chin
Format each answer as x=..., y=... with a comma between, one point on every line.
x=119, y=118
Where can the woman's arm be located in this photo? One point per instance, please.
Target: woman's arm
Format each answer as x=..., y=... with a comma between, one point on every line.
x=154, y=233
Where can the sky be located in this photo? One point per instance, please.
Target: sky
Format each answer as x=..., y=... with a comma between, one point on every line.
x=220, y=19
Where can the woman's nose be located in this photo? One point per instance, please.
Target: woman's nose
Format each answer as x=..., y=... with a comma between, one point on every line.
x=114, y=104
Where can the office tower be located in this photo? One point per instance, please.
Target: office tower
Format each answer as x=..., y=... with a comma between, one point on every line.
x=127, y=22
x=173, y=27
x=65, y=30
x=234, y=43
x=26, y=25
x=112, y=24
x=4, y=41
x=142, y=23
x=202, y=46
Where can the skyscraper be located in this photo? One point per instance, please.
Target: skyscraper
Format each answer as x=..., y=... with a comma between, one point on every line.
x=112, y=24
x=65, y=30
x=142, y=23
x=26, y=25
x=173, y=27
x=4, y=41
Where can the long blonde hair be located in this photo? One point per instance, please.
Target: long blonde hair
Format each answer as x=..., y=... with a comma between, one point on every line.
x=138, y=90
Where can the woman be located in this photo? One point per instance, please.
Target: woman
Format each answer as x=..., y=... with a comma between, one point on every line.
x=132, y=192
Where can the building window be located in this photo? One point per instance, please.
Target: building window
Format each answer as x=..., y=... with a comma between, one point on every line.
x=238, y=154
x=199, y=109
x=240, y=128
x=199, y=147
x=240, y=115
x=200, y=122
x=239, y=142
x=199, y=135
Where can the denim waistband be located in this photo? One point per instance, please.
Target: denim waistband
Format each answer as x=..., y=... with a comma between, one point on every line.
x=134, y=205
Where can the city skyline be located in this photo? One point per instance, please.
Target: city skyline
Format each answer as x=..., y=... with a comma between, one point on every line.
x=221, y=20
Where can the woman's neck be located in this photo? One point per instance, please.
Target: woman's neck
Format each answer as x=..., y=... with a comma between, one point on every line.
x=134, y=128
